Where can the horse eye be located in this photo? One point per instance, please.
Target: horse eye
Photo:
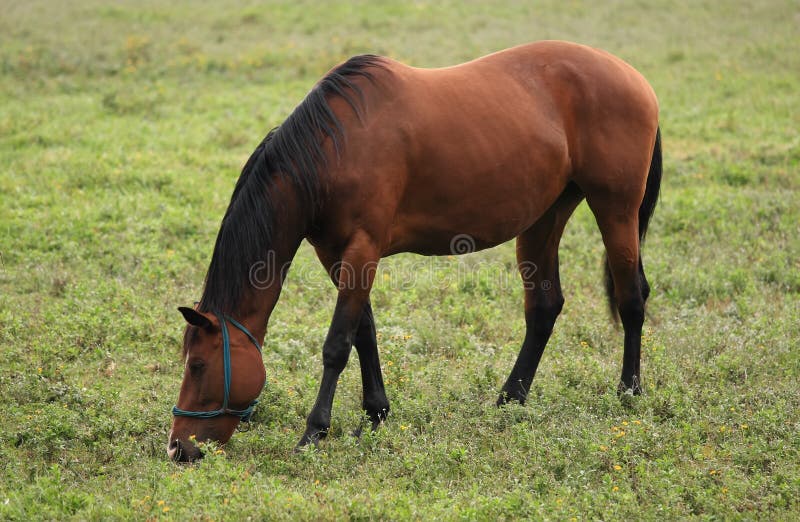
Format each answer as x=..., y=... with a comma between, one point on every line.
x=196, y=366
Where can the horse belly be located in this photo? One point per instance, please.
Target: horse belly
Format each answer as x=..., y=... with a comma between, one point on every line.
x=460, y=204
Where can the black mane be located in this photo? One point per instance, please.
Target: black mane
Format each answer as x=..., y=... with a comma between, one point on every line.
x=293, y=150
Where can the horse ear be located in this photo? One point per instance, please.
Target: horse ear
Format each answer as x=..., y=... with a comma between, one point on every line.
x=194, y=318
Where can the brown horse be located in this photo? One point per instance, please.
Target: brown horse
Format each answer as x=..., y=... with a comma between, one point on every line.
x=382, y=158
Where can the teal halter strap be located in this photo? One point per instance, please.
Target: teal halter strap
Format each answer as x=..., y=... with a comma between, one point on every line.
x=244, y=414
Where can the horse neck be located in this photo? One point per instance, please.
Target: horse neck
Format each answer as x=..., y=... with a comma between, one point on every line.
x=266, y=278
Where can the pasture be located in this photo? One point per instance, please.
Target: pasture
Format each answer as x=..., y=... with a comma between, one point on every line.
x=123, y=128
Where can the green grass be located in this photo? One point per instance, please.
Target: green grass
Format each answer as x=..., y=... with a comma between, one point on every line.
x=122, y=130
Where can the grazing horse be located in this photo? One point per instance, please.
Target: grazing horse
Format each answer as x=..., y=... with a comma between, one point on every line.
x=382, y=158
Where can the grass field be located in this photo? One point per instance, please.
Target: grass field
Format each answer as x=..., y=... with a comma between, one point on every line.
x=123, y=127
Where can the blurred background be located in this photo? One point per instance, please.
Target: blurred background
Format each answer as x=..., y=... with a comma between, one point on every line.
x=123, y=128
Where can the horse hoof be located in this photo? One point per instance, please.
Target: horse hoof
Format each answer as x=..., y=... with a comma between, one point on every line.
x=623, y=390
x=309, y=438
x=375, y=424
x=305, y=445
x=505, y=398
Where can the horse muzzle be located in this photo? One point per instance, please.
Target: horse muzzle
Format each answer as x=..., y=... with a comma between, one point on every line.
x=183, y=451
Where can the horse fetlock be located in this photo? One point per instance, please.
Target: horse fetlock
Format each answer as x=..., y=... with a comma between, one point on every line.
x=377, y=410
x=378, y=417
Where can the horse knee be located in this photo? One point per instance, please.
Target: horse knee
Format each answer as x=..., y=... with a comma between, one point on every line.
x=545, y=312
x=335, y=353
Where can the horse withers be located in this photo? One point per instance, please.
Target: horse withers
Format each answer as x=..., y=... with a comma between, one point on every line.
x=382, y=158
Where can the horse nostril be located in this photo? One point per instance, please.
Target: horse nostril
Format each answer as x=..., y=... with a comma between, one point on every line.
x=175, y=450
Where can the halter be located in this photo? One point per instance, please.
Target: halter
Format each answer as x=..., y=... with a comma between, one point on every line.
x=244, y=414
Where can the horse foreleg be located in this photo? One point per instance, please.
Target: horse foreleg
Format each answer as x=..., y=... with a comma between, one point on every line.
x=354, y=274
x=374, y=403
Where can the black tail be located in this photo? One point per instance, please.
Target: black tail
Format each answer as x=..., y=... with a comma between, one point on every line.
x=646, y=210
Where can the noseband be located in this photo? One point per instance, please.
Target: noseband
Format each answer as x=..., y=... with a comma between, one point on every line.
x=244, y=414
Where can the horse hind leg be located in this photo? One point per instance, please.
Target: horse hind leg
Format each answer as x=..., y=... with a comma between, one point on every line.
x=630, y=289
x=537, y=259
x=623, y=204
